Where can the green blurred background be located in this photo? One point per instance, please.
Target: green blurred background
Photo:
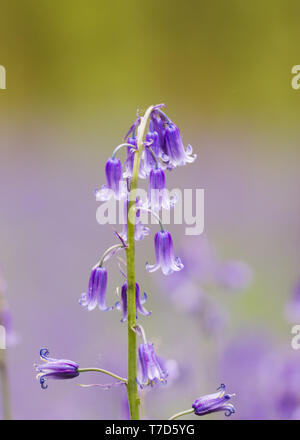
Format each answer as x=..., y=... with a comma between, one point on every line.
x=215, y=59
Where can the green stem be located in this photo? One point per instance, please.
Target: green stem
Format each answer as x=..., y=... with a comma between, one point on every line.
x=116, y=246
x=182, y=413
x=121, y=146
x=4, y=386
x=100, y=370
x=133, y=397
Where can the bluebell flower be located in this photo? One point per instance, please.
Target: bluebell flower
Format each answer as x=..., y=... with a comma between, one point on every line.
x=164, y=254
x=174, y=147
x=214, y=402
x=152, y=141
x=55, y=368
x=114, y=185
x=152, y=370
x=158, y=195
x=139, y=301
x=130, y=161
x=158, y=125
x=96, y=293
x=171, y=147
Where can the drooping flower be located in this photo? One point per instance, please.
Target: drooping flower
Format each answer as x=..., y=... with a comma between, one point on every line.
x=55, y=368
x=96, y=293
x=214, y=402
x=158, y=195
x=171, y=147
x=139, y=301
x=164, y=254
x=159, y=127
x=130, y=161
x=140, y=230
x=174, y=147
x=151, y=141
x=114, y=185
x=152, y=370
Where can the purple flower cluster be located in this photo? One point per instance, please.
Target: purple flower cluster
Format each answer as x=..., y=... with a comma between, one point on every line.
x=163, y=149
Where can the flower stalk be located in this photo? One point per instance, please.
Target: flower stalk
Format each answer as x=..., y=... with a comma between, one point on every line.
x=133, y=397
x=182, y=413
x=100, y=370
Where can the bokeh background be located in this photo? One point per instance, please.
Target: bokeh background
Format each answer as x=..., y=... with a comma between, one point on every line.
x=76, y=74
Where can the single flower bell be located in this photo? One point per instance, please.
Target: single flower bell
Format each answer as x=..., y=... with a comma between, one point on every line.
x=164, y=254
x=214, y=402
x=174, y=147
x=114, y=184
x=96, y=293
x=152, y=370
x=139, y=301
x=158, y=195
x=55, y=368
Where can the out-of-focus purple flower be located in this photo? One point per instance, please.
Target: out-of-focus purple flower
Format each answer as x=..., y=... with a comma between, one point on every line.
x=140, y=230
x=130, y=161
x=214, y=402
x=96, y=294
x=281, y=367
x=292, y=309
x=114, y=185
x=164, y=254
x=55, y=368
x=152, y=370
x=213, y=317
x=234, y=275
x=139, y=301
x=158, y=195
